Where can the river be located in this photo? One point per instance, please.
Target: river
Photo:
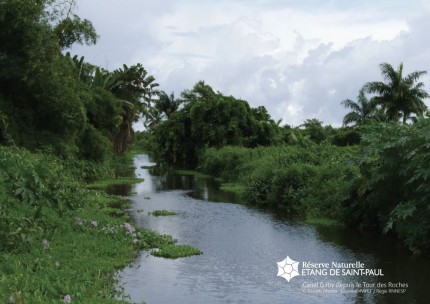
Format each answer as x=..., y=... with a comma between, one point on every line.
x=241, y=247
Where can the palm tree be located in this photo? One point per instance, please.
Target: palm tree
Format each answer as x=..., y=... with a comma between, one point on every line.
x=362, y=111
x=399, y=97
x=167, y=104
x=136, y=89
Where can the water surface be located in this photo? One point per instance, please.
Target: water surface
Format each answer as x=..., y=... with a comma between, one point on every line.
x=241, y=246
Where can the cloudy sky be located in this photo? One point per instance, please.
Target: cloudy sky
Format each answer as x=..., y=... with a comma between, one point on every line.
x=298, y=58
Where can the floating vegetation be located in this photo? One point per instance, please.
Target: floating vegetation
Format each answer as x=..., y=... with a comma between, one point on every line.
x=324, y=222
x=103, y=184
x=173, y=251
x=233, y=187
x=163, y=213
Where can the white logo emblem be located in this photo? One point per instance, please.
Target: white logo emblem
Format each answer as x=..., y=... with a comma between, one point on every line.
x=288, y=269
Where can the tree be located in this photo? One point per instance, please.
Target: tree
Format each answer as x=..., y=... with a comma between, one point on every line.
x=314, y=129
x=211, y=119
x=362, y=111
x=167, y=104
x=136, y=89
x=38, y=94
x=399, y=97
x=75, y=30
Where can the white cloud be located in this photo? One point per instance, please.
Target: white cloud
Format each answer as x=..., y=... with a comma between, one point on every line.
x=300, y=59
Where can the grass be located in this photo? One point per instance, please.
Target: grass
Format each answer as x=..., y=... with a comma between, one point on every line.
x=324, y=222
x=194, y=173
x=59, y=238
x=163, y=213
x=233, y=187
x=173, y=251
x=106, y=183
x=83, y=252
x=87, y=247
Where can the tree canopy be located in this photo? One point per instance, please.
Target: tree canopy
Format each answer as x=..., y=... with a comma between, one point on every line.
x=211, y=119
x=401, y=98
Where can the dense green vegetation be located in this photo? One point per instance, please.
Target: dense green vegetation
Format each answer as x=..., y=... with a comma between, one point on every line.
x=60, y=104
x=369, y=176
x=175, y=251
x=106, y=183
x=66, y=124
x=210, y=119
x=59, y=238
x=308, y=182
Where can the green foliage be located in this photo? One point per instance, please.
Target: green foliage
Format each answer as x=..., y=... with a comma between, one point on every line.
x=310, y=181
x=224, y=163
x=233, y=187
x=102, y=184
x=73, y=30
x=176, y=251
x=399, y=97
x=58, y=238
x=104, y=111
x=57, y=103
x=39, y=95
x=345, y=137
x=94, y=146
x=363, y=111
x=36, y=179
x=394, y=191
x=85, y=170
x=210, y=119
x=324, y=222
x=314, y=130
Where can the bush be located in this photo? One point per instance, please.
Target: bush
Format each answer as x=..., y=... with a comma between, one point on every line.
x=394, y=190
x=94, y=145
x=312, y=181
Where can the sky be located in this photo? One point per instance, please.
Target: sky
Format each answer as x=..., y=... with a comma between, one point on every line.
x=298, y=58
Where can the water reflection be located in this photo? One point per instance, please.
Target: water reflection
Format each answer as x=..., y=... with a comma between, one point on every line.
x=241, y=246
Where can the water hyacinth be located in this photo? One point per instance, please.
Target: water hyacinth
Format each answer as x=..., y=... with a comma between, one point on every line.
x=45, y=244
x=129, y=228
x=94, y=224
x=11, y=299
x=79, y=221
x=109, y=229
x=67, y=299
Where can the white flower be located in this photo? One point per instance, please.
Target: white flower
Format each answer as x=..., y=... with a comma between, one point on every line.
x=129, y=228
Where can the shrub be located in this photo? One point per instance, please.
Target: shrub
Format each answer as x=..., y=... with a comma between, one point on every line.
x=394, y=190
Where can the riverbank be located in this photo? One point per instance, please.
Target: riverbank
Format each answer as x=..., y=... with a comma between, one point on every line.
x=61, y=240
x=327, y=185
x=243, y=243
